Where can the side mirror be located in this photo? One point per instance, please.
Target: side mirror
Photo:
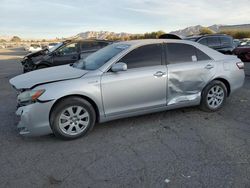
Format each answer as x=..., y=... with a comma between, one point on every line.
x=119, y=67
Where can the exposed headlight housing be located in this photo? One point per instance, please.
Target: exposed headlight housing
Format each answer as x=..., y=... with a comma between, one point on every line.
x=28, y=97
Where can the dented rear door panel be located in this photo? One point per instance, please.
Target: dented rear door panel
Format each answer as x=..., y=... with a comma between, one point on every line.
x=186, y=80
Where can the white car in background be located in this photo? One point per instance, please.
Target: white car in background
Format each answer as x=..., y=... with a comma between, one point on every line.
x=51, y=45
x=35, y=48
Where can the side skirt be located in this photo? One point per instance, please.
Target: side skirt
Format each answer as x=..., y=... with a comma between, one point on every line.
x=150, y=110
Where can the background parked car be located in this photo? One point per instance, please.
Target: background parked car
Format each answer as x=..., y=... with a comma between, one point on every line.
x=220, y=42
x=243, y=51
x=35, y=48
x=237, y=42
x=66, y=52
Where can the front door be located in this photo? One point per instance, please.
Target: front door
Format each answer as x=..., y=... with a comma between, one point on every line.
x=141, y=87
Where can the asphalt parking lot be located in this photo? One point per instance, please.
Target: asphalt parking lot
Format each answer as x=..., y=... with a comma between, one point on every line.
x=178, y=148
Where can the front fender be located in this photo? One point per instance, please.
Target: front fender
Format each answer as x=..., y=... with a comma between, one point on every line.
x=89, y=87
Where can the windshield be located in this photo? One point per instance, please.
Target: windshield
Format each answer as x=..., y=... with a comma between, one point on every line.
x=55, y=47
x=99, y=58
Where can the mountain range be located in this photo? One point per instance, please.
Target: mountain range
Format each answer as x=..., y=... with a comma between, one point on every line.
x=192, y=30
x=101, y=34
x=195, y=30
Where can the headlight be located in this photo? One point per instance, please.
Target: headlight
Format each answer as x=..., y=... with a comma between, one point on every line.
x=28, y=97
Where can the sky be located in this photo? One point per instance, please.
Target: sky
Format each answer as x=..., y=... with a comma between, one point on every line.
x=65, y=18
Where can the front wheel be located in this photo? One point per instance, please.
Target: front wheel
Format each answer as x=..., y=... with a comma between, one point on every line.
x=213, y=96
x=72, y=118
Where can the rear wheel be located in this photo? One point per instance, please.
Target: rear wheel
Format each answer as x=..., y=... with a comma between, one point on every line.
x=72, y=118
x=213, y=96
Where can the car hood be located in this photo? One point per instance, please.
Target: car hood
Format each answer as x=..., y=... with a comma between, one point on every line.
x=33, y=54
x=47, y=75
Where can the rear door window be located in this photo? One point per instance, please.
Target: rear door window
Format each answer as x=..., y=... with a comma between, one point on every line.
x=180, y=53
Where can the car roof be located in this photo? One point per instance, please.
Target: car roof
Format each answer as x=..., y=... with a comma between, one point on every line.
x=147, y=41
x=137, y=43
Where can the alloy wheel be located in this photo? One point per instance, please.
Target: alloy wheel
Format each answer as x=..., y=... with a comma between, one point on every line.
x=74, y=120
x=215, y=97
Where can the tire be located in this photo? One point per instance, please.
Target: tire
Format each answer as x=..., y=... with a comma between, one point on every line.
x=72, y=118
x=213, y=96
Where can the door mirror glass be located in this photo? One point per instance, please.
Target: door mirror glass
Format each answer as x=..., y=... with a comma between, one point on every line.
x=119, y=67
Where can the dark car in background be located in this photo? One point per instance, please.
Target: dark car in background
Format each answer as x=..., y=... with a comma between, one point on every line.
x=243, y=51
x=220, y=42
x=66, y=52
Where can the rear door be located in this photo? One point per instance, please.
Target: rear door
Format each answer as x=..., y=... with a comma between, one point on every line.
x=141, y=87
x=67, y=54
x=189, y=70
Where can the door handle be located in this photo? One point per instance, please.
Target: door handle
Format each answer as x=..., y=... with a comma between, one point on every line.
x=159, y=74
x=209, y=66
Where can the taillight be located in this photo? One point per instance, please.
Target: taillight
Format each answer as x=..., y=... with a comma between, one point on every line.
x=240, y=65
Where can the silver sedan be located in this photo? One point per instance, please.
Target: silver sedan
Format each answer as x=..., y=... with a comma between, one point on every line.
x=122, y=80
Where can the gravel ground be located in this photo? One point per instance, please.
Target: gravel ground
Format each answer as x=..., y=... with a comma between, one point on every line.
x=178, y=148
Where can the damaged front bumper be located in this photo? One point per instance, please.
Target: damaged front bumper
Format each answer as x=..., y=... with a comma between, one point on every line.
x=28, y=65
x=34, y=119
